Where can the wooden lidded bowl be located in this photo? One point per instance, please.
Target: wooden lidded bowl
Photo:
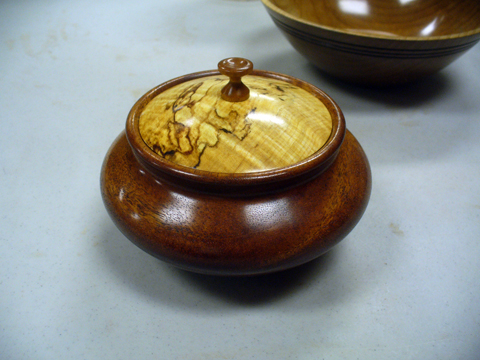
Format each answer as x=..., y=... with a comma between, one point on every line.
x=235, y=171
x=378, y=42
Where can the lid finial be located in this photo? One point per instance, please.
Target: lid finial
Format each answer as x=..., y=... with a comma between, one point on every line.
x=235, y=68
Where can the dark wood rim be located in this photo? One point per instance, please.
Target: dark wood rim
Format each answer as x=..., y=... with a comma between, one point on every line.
x=236, y=184
x=378, y=51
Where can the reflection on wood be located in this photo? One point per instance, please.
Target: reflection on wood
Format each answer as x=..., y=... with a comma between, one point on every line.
x=279, y=125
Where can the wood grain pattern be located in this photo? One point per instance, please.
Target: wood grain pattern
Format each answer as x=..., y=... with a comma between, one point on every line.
x=378, y=42
x=279, y=125
x=237, y=183
x=230, y=223
x=225, y=235
x=389, y=18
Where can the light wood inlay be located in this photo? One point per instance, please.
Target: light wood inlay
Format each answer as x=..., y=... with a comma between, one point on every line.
x=279, y=125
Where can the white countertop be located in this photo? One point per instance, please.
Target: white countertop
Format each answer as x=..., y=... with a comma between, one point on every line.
x=405, y=284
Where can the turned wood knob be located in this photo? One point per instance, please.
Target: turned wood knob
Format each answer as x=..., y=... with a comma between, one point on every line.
x=235, y=68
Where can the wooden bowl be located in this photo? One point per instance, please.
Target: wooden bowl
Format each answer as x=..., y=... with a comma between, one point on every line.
x=378, y=42
x=235, y=172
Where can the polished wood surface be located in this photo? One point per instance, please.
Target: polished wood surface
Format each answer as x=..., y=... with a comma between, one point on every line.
x=379, y=42
x=235, y=69
x=309, y=188
x=278, y=125
x=389, y=18
x=226, y=235
x=239, y=183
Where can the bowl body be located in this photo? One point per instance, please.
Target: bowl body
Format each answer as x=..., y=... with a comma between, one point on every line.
x=243, y=235
x=235, y=223
x=378, y=42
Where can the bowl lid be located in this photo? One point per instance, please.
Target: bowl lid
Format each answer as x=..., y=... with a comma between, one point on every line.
x=235, y=121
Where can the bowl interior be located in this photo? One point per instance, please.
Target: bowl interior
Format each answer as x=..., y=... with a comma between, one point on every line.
x=389, y=18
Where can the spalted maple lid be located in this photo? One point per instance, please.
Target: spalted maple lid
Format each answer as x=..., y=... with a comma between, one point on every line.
x=235, y=124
